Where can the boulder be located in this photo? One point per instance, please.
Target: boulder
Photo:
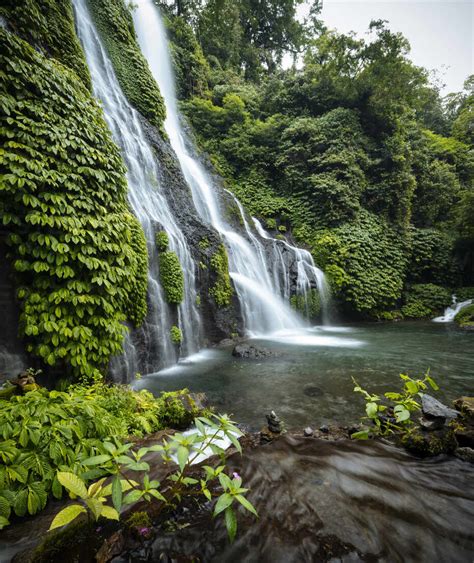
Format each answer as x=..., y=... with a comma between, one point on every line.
x=432, y=408
x=251, y=352
x=432, y=423
x=308, y=431
x=465, y=437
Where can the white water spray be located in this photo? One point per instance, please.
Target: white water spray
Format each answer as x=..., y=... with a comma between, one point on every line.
x=151, y=208
x=262, y=300
x=451, y=311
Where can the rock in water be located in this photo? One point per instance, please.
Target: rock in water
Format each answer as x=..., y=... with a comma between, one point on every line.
x=432, y=423
x=251, y=352
x=466, y=406
x=308, y=431
x=432, y=408
x=274, y=423
x=466, y=454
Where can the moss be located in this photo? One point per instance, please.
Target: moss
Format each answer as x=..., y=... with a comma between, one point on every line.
x=425, y=444
x=138, y=519
x=204, y=243
x=176, y=335
x=48, y=25
x=308, y=305
x=222, y=289
x=78, y=253
x=115, y=25
x=171, y=276
x=395, y=315
x=465, y=317
x=179, y=409
x=162, y=241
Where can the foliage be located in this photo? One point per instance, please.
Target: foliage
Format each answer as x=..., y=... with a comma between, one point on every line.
x=465, y=317
x=45, y=431
x=171, y=277
x=48, y=25
x=78, y=253
x=115, y=25
x=393, y=411
x=222, y=289
x=425, y=300
x=185, y=449
x=464, y=293
x=309, y=304
x=162, y=241
x=176, y=335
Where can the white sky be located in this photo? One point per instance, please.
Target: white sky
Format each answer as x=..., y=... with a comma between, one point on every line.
x=441, y=32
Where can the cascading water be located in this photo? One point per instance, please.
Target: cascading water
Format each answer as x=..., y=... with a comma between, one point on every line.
x=451, y=311
x=151, y=208
x=263, y=307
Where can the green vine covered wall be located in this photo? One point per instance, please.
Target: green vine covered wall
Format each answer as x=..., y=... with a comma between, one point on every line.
x=79, y=254
x=115, y=25
x=48, y=25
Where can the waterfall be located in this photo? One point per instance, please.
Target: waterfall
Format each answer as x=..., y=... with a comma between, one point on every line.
x=150, y=207
x=451, y=311
x=265, y=306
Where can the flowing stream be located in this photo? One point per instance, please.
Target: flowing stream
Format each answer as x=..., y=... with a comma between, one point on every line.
x=451, y=311
x=151, y=208
x=264, y=305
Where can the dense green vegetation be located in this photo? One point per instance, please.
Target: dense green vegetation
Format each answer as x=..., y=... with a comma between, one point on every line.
x=114, y=23
x=355, y=155
x=79, y=254
x=45, y=431
x=222, y=289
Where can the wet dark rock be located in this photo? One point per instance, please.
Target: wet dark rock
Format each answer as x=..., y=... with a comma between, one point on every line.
x=274, y=423
x=353, y=429
x=466, y=454
x=308, y=431
x=465, y=437
x=432, y=423
x=313, y=391
x=466, y=406
x=251, y=352
x=426, y=444
x=432, y=408
x=324, y=428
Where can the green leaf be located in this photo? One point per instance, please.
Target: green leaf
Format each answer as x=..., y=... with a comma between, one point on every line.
x=183, y=454
x=361, y=435
x=96, y=460
x=72, y=483
x=432, y=383
x=371, y=409
x=230, y=523
x=66, y=515
x=411, y=387
x=246, y=504
x=222, y=503
x=109, y=513
x=3, y=522
x=133, y=496
x=117, y=493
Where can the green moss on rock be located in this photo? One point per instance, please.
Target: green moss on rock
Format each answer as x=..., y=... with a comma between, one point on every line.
x=162, y=241
x=78, y=253
x=176, y=335
x=172, y=278
x=308, y=305
x=222, y=289
x=465, y=317
x=115, y=25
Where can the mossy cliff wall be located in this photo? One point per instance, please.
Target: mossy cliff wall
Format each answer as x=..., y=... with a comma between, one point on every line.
x=78, y=253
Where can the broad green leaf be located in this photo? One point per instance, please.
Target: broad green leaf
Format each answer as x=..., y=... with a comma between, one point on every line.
x=183, y=454
x=3, y=522
x=246, y=504
x=66, y=515
x=117, y=493
x=222, y=503
x=361, y=435
x=97, y=460
x=371, y=409
x=230, y=523
x=72, y=483
x=109, y=513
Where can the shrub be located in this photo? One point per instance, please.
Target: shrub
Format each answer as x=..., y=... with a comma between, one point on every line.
x=426, y=299
x=176, y=335
x=162, y=241
x=172, y=277
x=44, y=431
x=465, y=317
x=464, y=293
x=222, y=288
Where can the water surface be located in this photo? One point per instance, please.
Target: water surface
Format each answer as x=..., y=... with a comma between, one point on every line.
x=309, y=382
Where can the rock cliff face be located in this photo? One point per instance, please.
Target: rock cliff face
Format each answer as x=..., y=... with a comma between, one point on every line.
x=12, y=356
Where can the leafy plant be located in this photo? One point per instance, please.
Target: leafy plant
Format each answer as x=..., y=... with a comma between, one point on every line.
x=184, y=449
x=44, y=432
x=393, y=411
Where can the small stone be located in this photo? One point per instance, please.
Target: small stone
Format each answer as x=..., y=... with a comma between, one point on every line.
x=308, y=431
x=324, y=428
x=248, y=351
x=353, y=429
x=466, y=454
x=433, y=423
x=432, y=408
x=274, y=423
